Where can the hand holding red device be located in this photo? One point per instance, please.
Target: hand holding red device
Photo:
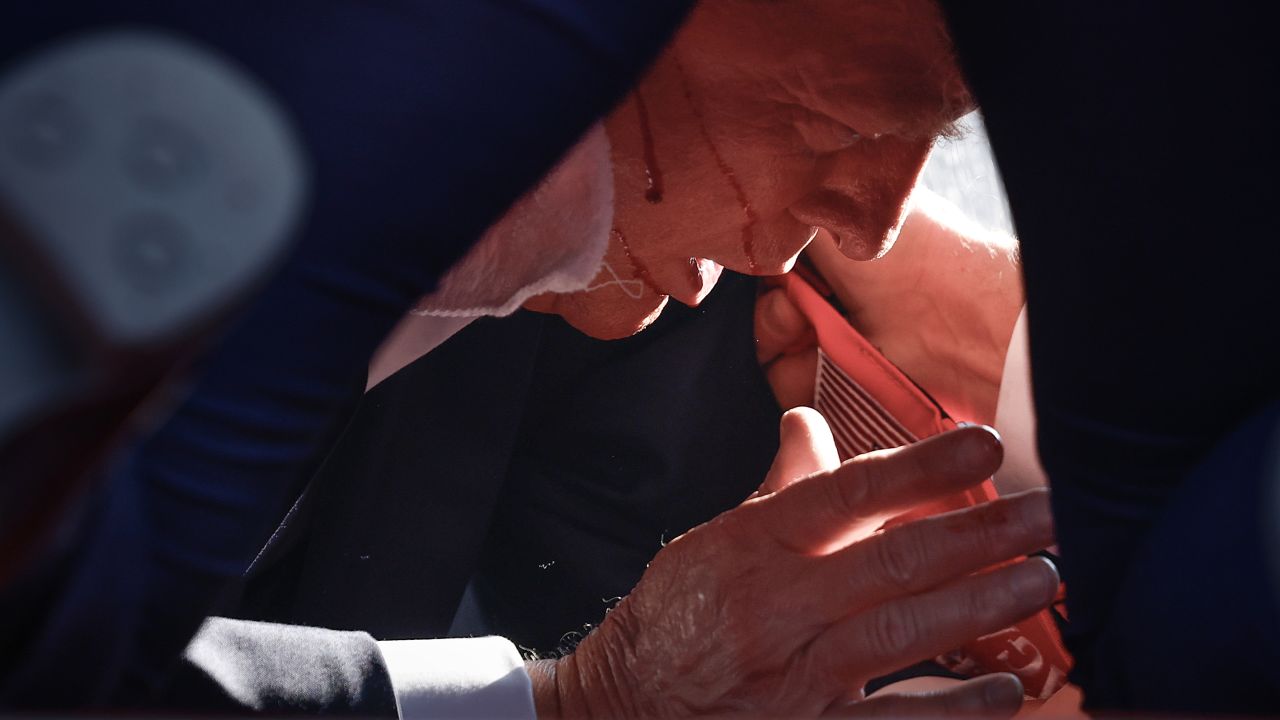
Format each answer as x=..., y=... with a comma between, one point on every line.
x=870, y=404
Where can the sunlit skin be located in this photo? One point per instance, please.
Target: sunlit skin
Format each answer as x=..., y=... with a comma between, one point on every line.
x=763, y=121
x=941, y=305
x=786, y=605
x=759, y=123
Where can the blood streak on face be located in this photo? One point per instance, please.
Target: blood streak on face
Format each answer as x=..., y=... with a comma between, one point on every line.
x=652, y=172
x=749, y=214
x=758, y=124
x=637, y=265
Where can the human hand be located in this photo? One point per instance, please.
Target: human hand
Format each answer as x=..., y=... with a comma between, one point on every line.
x=789, y=603
x=1064, y=704
x=932, y=696
x=941, y=305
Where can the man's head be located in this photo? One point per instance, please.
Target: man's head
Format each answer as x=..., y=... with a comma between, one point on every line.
x=762, y=121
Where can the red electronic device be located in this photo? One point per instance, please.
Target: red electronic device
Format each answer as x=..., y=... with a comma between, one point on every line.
x=870, y=405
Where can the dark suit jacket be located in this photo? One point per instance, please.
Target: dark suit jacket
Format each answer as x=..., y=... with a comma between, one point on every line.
x=519, y=448
x=525, y=455
x=402, y=110
x=544, y=467
x=1137, y=144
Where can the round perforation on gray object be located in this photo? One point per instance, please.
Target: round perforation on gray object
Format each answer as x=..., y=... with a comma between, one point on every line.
x=162, y=156
x=150, y=251
x=156, y=178
x=44, y=130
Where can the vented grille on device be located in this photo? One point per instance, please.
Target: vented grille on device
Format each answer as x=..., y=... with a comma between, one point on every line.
x=858, y=423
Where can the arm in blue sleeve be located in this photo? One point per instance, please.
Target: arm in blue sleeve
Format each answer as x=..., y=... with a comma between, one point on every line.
x=422, y=121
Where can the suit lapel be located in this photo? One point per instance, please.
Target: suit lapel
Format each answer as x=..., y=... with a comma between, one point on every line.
x=391, y=527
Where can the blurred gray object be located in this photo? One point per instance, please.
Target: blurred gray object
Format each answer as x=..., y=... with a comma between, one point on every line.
x=144, y=183
x=147, y=185
x=963, y=171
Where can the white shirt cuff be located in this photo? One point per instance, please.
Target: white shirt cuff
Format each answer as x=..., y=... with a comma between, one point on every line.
x=458, y=678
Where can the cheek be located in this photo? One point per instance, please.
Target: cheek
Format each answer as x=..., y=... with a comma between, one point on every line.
x=768, y=247
x=769, y=174
x=779, y=243
x=740, y=218
x=769, y=168
x=726, y=181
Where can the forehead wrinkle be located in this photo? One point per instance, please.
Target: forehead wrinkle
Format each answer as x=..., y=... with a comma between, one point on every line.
x=905, y=98
x=892, y=59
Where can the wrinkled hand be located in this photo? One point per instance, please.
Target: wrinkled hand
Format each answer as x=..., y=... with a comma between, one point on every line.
x=941, y=305
x=789, y=603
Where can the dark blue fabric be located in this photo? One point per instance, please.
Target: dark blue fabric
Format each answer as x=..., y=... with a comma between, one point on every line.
x=1137, y=143
x=623, y=446
x=1196, y=627
x=422, y=121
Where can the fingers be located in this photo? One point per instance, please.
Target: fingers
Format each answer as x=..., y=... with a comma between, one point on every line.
x=1066, y=703
x=786, y=347
x=990, y=696
x=794, y=378
x=899, y=633
x=806, y=447
x=857, y=497
x=915, y=557
x=779, y=325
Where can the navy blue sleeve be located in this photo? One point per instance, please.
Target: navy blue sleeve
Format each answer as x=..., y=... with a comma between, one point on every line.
x=241, y=667
x=422, y=121
x=1137, y=144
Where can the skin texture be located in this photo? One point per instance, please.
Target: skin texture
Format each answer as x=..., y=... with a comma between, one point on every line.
x=787, y=604
x=941, y=305
x=766, y=120
x=761, y=123
x=940, y=261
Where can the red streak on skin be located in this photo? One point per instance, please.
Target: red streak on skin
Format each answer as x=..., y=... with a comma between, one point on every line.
x=748, y=235
x=652, y=172
x=638, y=268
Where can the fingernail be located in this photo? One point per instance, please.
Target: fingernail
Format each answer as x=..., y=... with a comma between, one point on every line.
x=980, y=450
x=1004, y=694
x=1036, y=578
x=1057, y=576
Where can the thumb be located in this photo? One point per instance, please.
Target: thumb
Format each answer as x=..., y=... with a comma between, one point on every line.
x=805, y=447
x=990, y=696
x=779, y=326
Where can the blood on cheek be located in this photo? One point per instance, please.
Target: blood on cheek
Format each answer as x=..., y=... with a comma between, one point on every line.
x=653, y=173
x=637, y=265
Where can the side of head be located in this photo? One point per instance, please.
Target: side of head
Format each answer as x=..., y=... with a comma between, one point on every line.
x=759, y=123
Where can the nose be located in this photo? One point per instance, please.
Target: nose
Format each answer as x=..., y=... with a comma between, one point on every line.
x=863, y=193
